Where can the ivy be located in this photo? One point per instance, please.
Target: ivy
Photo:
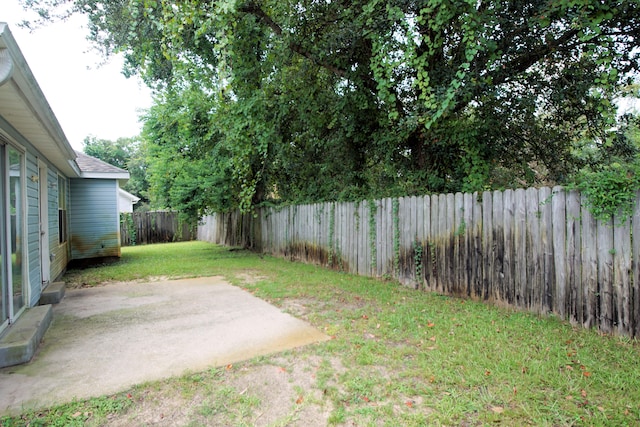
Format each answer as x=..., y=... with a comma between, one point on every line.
x=396, y=235
x=332, y=233
x=126, y=219
x=373, y=209
x=418, y=253
x=611, y=190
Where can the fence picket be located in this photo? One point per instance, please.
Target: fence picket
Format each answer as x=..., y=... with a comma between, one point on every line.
x=443, y=239
x=546, y=238
x=534, y=271
x=434, y=237
x=573, y=268
x=520, y=247
x=477, y=245
x=469, y=230
x=497, y=280
x=559, y=224
x=487, y=244
x=635, y=278
x=589, y=266
x=605, y=274
x=426, y=244
x=621, y=268
x=508, y=264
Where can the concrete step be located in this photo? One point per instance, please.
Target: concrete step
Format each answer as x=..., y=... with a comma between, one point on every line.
x=19, y=342
x=53, y=293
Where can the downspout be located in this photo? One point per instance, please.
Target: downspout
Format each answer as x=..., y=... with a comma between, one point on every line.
x=6, y=66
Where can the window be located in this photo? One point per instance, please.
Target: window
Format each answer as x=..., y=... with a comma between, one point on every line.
x=62, y=209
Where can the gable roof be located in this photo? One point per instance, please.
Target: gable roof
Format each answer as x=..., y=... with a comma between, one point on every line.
x=91, y=167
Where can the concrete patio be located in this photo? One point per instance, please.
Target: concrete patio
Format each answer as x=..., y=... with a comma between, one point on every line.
x=103, y=340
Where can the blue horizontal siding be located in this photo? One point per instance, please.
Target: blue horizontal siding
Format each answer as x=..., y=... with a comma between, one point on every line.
x=33, y=230
x=94, y=219
x=52, y=183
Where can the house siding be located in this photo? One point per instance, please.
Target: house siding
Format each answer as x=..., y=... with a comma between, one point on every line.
x=33, y=230
x=94, y=219
x=59, y=251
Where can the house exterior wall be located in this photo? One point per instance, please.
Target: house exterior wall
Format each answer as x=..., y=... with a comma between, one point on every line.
x=125, y=204
x=59, y=251
x=33, y=230
x=94, y=219
x=32, y=256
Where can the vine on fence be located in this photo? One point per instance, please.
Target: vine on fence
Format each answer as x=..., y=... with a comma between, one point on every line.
x=126, y=219
x=418, y=252
x=372, y=234
x=395, y=203
x=462, y=227
x=332, y=232
x=611, y=191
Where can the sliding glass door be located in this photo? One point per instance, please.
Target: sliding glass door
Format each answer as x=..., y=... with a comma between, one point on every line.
x=16, y=210
x=13, y=295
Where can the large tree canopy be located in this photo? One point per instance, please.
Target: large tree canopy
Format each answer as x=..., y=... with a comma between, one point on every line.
x=312, y=100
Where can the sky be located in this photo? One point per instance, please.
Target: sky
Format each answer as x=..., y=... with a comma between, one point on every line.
x=87, y=98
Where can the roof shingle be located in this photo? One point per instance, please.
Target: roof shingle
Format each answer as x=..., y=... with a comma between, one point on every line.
x=88, y=164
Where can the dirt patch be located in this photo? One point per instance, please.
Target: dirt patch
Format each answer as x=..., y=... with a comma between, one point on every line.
x=299, y=307
x=284, y=390
x=153, y=279
x=250, y=278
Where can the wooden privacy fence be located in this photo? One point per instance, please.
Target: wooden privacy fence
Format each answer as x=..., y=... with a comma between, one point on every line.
x=535, y=249
x=141, y=228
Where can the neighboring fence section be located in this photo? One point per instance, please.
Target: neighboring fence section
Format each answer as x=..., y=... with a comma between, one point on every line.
x=141, y=228
x=535, y=249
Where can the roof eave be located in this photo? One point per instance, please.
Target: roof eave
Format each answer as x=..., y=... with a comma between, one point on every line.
x=105, y=175
x=26, y=87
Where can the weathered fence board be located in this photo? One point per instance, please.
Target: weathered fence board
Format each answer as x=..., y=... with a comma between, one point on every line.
x=520, y=248
x=589, y=266
x=487, y=244
x=635, y=274
x=559, y=227
x=621, y=269
x=573, y=284
x=536, y=249
x=497, y=258
x=141, y=228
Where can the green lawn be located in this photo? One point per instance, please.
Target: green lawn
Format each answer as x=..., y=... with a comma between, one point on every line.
x=397, y=357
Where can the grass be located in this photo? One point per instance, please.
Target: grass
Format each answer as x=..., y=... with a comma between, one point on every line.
x=175, y=260
x=397, y=356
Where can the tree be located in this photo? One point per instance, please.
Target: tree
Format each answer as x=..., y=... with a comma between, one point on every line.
x=125, y=153
x=116, y=153
x=189, y=165
x=350, y=99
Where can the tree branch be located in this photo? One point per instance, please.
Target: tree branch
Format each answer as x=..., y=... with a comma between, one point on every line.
x=369, y=83
x=255, y=10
